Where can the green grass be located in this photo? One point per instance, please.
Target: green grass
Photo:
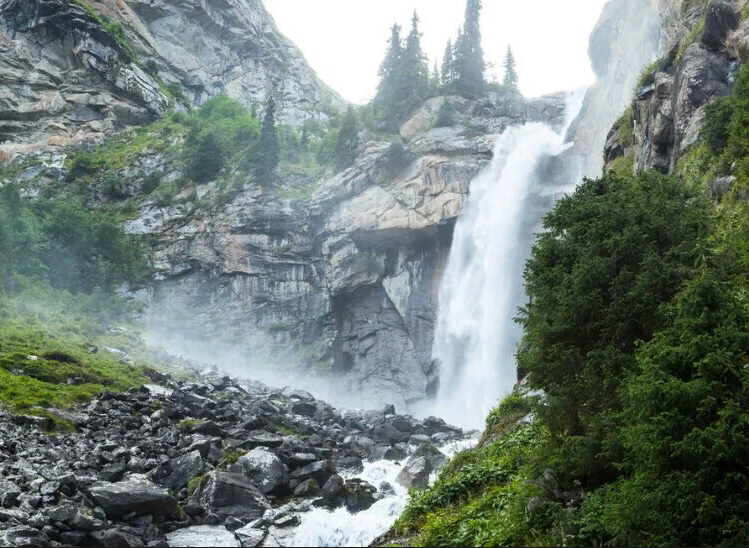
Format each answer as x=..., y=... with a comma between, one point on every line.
x=647, y=76
x=44, y=381
x=124, y=148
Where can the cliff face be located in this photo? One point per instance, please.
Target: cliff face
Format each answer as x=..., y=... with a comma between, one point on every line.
x=67, y=78
x=63, y=76
x=350, y=272
x=626, y=38
x=702, y=46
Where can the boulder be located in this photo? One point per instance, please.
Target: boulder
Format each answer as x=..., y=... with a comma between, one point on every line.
x=721, y=18
x=229, y=494
x=179, y=471
x=264, y=469
x=135, y=494
x=249, y=537
x=203, y=535
x=262, y=438
x=358, y=495
x=415, y=473
x=434, y=456
x=308, y=488
x=321, y=471
x=304, y=408
x=23, y=536
x=112, y=538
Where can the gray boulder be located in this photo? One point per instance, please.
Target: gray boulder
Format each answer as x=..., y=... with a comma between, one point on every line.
x=135, y=494
x=250, y=537
x=359, y=495
x=203, y=535
x=264, y=469
x=179, y=471
x=23, y=536
x=112, y=538
x=721, y=18
x=415, y=473
x=228, y=494
x=321, y=471
x=434, y=456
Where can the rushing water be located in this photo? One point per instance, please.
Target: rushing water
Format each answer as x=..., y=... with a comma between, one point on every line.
x=475, y=336
x=339, y=527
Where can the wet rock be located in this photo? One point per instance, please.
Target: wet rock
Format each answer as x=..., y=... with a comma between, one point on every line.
x=359, y=495
x=320, y=471
x=135, y=494
x=332, y=488
x=229, y=494
x=304, y=408
x=262, y=439
x=432, y=454
x=721, y=18
x=415, y=473
x=203, y=535
x=308, y=488
x=23, y=536
x=388, y=434
x=183, y=469
x=264, y=469
x=250, y=537
x=113, y=538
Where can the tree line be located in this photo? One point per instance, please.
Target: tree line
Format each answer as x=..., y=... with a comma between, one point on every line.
x=406, y=82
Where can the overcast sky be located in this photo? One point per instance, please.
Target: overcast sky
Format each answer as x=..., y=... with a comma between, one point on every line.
x=345, y=40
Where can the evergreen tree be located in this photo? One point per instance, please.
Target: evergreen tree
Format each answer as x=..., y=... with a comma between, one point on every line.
x=470, y=55
x=434, y=81
x=268, y=156
x=511, y=75
x=347, y=142
x=414, y=82
x=390, y=74
x=448, y=68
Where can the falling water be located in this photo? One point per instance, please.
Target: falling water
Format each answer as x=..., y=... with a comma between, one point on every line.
x=475, y=337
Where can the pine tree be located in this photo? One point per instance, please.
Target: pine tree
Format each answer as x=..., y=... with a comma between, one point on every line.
x=414, y=82
x=268, y=156
x=448, y=68
x=390, y=74
x=511, y=75
x=347, y=142
x=434, y=81
x=470, y=55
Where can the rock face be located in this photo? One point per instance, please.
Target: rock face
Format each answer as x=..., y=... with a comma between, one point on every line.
x=65, y=78
x=696, y=65
x=625, y=39
x=137, y=494
x=350, y=271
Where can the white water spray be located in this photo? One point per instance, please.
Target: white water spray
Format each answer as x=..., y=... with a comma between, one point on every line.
x=475, y=336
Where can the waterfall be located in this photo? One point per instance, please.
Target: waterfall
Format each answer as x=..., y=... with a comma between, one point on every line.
x=475, y=336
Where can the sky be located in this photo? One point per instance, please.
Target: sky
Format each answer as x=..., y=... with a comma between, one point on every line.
x=345, y=40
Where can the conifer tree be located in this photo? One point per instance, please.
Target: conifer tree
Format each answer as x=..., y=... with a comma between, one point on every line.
x=390, y=74
x=414, y=84
x=511, y=75
x=470, y=54
x=268, y=156
x=348, y=141
x=434, y=80
x=448, y=68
